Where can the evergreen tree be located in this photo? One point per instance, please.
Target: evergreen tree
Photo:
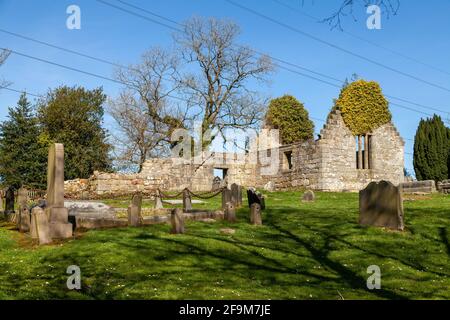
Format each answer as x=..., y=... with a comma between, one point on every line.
x=292, y=119
x=73, y=117
x=22, y=154
x=431, y=150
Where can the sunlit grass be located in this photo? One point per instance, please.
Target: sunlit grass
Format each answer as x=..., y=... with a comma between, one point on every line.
x=303, y=251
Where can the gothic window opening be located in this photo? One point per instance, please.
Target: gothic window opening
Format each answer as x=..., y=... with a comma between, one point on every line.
x=364, y=152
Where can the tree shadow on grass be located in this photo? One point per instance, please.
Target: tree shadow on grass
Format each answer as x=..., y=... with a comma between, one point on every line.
x=321, y=256
x=444, y=238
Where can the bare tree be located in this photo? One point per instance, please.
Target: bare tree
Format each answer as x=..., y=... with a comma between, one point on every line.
x=147, y=111
x=4, y=54
x=388, y=8
x=220, y=75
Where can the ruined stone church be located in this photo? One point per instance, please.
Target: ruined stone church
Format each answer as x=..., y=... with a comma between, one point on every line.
x=336, y=161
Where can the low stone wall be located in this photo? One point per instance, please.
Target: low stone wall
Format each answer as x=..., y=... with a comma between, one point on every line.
x=444, y=186
x=427, y=186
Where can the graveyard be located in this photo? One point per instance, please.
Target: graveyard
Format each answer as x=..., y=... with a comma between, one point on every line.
x=195, y=165
x=303, y=250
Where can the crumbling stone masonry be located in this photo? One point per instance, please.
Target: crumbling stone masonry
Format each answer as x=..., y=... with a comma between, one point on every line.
x=336, y=161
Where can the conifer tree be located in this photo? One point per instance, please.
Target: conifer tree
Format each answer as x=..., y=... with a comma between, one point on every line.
x=431, y=150
x=22, y=155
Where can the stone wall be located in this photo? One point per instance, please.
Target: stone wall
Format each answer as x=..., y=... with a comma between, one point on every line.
x=327, y=164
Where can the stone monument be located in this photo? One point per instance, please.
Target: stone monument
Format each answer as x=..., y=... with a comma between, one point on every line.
x=226, y=197
x=9, y=201
x=158, y=200
x=58, y=215
x=40, y=227
x=236, y=195
x=255, y=214
x=134, y=211
x=381, y=205
x=230, y=212
x=177, y=221
x=309, y=196
x=187, y=201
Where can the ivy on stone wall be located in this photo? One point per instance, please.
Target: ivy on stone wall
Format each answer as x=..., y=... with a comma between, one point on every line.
x=363, y=106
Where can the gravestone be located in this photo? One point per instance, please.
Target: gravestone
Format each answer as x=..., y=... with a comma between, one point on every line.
x=158, y=201
x=9, y=201
x=217, y=184
x=381, y=205
x=134, y=211
x=187, y=201
x=230, y=212
x=236, y=195
x=255, y=214
x=255, y=197
x=309, y=196
x=40, y=227
x=22, y=201
x=269, y=186
x=24, y=220
x=60, y=228
x=177, y=221
x=226, y=197
x=1, y=200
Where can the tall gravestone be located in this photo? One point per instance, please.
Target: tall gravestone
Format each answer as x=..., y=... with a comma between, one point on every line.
x=236, y=195
x=58, y=216
x=255, y=214
x=177, y=221
x=230, y=212
x=9, y=201
x=226, y=197
x=23, y=216
x=1, y=201
x=187, y=201
x=134, y=211
x=158, y=201
x=381, y=205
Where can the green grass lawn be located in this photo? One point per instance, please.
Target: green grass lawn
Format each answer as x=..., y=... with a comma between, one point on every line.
x=303, y=251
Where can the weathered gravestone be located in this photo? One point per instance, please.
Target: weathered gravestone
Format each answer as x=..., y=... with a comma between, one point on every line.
x=60, y=228
x=230, y=212
x=255, y=214
x=236, y=195
x=9, y=201
x=269, y=186
x=255, y=197
x=23, y=216
x=24, y=220
x=1, y=200
x=22, y=200
x=134, y=211
x=217, y=184
x=187, y=201
x=40, y=228
x=177, y=221
x=226, y=197
x=381, y=205
x=158, y=201
x=309, y=196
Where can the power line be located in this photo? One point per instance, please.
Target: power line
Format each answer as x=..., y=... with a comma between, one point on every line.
x=79, y=70
x=22, y=91
x=123, y=83
x=365, y=40
x=310, y=36
x=274, y=58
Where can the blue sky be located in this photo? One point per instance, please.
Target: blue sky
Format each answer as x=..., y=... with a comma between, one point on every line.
x=420, y=31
